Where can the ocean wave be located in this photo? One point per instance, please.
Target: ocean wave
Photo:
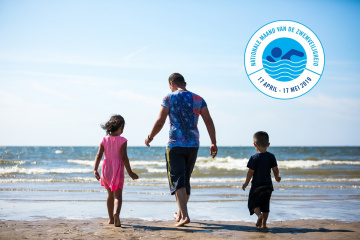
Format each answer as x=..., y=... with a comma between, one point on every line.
x=7, y=162
x=159, y=163
x=16, y=169
x=156, y=170
x=58, y=151
x=194, y=180
x=83, y=162
x=229, y=163
x=225, y=163
x=204, y=163
x=313, y=163
x=47, y=180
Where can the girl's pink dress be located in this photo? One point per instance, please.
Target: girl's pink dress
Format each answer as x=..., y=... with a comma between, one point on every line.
x=112, y=172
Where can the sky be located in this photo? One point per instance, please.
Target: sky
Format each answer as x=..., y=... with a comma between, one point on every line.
x=67, y=66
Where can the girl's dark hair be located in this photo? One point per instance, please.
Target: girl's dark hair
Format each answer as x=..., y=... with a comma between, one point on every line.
x=115, y=122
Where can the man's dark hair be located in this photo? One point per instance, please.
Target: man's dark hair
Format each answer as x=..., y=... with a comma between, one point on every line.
x=177, y=78
x=261, y=138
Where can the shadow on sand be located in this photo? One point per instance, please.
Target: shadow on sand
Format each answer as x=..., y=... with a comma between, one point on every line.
x=214, y=227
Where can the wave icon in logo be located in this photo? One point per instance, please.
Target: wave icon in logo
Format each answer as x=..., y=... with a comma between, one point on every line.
x=284, y=59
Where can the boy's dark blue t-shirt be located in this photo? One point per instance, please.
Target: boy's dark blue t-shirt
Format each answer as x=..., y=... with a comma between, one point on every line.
x=262, y=163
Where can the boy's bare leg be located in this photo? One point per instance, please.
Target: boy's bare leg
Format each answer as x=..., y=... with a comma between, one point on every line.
x=118, y=203
x=260, y=216
x=181, y=199
x=177, y=215
x=110, y=206
x=266, y=215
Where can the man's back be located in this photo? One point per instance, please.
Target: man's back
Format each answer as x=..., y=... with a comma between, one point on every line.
x=184, y=110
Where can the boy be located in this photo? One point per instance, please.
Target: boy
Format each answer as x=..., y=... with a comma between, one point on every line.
x=259, y=166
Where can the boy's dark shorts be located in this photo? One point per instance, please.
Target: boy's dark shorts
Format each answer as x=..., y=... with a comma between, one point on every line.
x=260, y=197
x=180, y=162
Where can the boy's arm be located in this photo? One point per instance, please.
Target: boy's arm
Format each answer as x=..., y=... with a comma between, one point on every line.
x=158, y=125
x=248, y=178
x=97, y=161
x=126, y=162
x=204, y=112
x=276, y=174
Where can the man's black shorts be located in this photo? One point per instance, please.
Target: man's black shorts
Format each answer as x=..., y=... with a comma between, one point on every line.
x=180, y=162
x=260, y=197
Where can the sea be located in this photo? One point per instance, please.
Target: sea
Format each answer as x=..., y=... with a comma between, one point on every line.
x=57, y=182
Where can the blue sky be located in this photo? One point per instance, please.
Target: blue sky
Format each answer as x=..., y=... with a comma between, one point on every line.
x=67, y=66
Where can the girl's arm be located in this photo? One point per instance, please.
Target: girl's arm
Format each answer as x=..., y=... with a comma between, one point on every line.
x=126, y=162
x=97, y=161
x=276, y=174
x=248, y=178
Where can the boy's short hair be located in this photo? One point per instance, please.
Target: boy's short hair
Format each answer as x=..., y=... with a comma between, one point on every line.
x=177, y=78
x=261, y=138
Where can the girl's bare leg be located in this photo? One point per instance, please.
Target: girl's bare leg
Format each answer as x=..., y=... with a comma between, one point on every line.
x=110, y=206
x=118, y=203
x=260, y=216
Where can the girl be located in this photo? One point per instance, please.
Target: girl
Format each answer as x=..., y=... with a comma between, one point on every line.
x=112, y=172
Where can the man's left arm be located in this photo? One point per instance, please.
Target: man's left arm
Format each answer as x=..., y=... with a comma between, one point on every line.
x=211, y=130
x=164, y=112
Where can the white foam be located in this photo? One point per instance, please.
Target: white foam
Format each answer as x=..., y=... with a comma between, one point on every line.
x=158, y=163
x=156, y=170
x=226, y=163
x=139, y=163
x=40, y=180
x=17, y=169
x=83, y=162
x=58, y=151
x=229, y=163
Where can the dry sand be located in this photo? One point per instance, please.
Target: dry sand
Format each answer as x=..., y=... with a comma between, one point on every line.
x=139, y=229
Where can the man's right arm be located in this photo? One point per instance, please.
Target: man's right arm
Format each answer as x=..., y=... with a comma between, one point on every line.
x=211, y=129
x=158, y=125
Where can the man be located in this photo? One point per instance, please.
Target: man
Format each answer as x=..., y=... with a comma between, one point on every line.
x=183, y=108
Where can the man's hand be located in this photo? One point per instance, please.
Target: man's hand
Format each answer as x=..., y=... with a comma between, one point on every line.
x=244, y=186
x=278, y=179
x=147, y=142
x=133, y=175
x=97, y=175
x=213, y=150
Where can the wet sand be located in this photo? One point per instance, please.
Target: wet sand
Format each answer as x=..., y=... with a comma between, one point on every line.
x=140, y=229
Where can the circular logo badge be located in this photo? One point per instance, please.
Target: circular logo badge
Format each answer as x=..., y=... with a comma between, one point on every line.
x=284, y=59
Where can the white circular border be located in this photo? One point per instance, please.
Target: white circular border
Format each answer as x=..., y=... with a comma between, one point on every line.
x=283, y=89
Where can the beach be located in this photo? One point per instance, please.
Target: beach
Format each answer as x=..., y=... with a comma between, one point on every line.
x=140, y=229
x=50, y=193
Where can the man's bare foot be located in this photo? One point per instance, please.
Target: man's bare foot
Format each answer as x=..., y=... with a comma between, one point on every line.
x=182, y=222
x=177, y=216
x=259, y=221
x=111, y=221
x=117, y=222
